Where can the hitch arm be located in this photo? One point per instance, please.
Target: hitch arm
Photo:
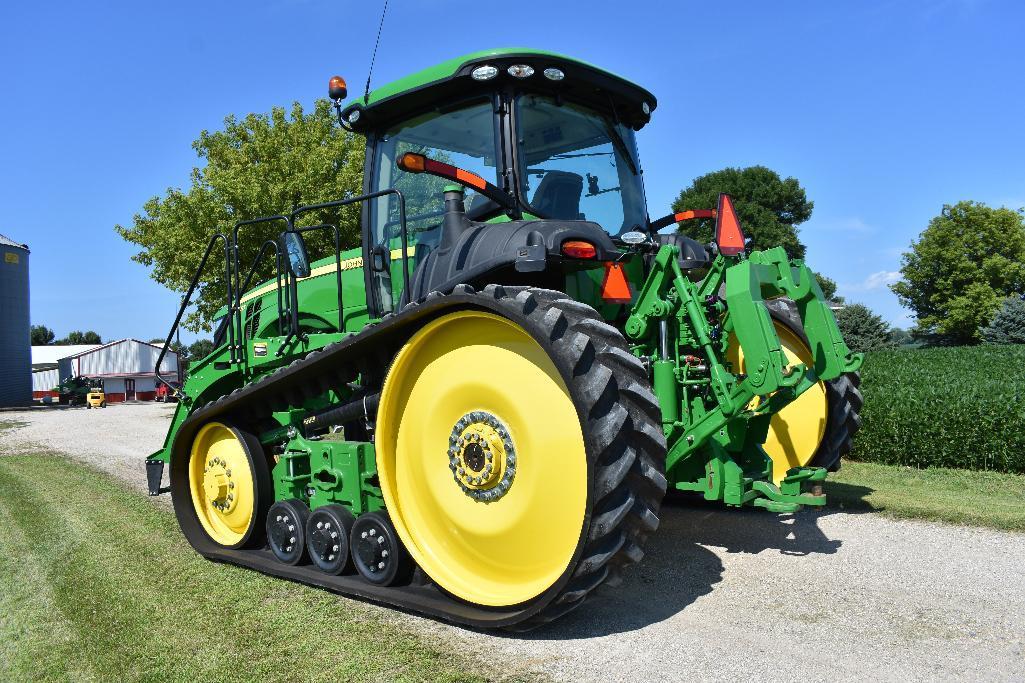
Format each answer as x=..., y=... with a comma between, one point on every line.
x=771, y=274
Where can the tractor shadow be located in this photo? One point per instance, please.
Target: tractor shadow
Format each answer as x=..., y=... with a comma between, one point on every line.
x=683, y=562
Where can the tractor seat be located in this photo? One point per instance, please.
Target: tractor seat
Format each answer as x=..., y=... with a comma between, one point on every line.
x=558, y=195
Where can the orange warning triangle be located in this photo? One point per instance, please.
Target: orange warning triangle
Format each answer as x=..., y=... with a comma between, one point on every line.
x=728, y=235
x=615, y=289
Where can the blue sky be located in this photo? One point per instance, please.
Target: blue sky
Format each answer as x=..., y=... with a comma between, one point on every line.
x=883, y=110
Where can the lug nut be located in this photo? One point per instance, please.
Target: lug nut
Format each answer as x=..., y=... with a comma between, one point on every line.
x=278, y=518
x=335, y=548
x=363, y=535
x=384, y=553
x=334, y=534
x=380, y=565
x=292, y=540
x=330, y=558
x=320, y=525
x=380, y=540
x=372, y=532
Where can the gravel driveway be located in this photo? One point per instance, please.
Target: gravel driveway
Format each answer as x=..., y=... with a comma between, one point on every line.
x=721, y=595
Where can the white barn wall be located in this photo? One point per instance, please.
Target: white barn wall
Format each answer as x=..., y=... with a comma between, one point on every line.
x=43, y=382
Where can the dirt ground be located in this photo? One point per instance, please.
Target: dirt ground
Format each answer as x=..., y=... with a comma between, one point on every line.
x=721, y=595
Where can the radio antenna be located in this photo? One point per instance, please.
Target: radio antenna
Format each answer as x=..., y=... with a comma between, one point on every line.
x=373, y=57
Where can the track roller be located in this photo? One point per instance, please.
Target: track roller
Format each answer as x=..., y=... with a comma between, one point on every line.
x=286, y=530
x=377, y=552
x=328, y=529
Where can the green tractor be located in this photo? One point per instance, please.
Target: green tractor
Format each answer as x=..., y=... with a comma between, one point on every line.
x=477, y=413
x=74, y=391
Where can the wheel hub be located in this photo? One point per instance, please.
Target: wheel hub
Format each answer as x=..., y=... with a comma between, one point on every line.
x=481, y=456
x=218, y=485
x=324, y=541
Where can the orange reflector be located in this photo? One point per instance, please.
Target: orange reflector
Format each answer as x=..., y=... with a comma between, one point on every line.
x=471, y=179
x=414, y=163
x=336, y=88
x=728, y=235
x=615, y=289
x=578, y=249
x=694, y=213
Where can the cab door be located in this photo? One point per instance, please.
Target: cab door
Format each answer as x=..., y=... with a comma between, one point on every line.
x=463, y=134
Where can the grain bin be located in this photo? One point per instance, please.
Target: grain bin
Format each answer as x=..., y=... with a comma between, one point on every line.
x=15, y=333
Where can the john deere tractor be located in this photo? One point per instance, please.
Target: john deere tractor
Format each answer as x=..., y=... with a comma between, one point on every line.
x=476, y=414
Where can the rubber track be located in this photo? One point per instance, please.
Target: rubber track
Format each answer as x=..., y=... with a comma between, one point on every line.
x=843, y=396
x=619, y=415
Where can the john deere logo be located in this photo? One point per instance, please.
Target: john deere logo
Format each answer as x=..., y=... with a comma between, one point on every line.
x=10, y=257
x=259, y=349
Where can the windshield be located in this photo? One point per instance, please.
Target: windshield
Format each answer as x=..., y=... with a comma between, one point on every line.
x=577, y=164
x=463, y=137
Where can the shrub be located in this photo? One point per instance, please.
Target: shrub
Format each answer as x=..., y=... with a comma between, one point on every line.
x=1008, y=326
x=944, y=407
x=862, y=329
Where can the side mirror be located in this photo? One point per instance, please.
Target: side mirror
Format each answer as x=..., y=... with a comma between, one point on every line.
x=377, y=259
x=298, y=260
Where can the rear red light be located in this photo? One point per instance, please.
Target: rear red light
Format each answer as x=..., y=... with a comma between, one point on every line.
x=578, y=249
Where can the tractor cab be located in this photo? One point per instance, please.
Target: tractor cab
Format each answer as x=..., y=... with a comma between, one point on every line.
x=541, y=147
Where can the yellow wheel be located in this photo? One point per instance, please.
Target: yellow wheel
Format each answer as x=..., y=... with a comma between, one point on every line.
x=224, y=484
x=816, y=429
x=796, y=431
x=482, y=459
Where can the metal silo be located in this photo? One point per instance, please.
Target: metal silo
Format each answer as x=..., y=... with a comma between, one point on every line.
x=15, y=333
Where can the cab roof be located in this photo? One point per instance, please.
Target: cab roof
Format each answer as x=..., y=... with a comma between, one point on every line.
x=451, y=79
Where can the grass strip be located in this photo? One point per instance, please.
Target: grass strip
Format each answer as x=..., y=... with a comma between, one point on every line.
x=989, y=499
x=97, y=583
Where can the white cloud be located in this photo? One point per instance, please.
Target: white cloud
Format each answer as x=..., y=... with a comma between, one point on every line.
x=874, y=281
x=881, y=279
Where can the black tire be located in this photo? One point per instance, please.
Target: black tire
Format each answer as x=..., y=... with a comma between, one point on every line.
x=286, y=530
x=327, y=533
x=377, y=552
x=843, y=396
x=621, y=421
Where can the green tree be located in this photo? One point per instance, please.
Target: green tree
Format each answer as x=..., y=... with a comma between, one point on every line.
x=828, y=287
x=260, y=165
x=42, y=335
x=1008, y=325
x=201, y=348
x=901, y=337
x=963, y=265
x=78, y=337
x=862, y=329
x=770, y=208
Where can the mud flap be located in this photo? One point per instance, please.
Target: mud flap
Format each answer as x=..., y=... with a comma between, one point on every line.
x=154, y=475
